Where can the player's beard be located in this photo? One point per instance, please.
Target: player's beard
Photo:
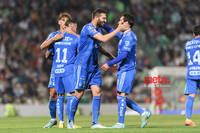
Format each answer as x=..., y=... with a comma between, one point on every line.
x=100, y=23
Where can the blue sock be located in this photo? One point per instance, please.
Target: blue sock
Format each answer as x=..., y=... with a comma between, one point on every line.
x=188, y=107
x=95, y=108
x=131, y=104
x=52, y=108
x=60, y=102
x=121, y=108
x=73, y=107
x=69, y=98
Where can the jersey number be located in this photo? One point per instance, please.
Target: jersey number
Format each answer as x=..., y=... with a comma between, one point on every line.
x=64, y=60
x=196, y=57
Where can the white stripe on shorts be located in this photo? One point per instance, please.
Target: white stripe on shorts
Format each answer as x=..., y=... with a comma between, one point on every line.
x=78, y=76
x=121, y=82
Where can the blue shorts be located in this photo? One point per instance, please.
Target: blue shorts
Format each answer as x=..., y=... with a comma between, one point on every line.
x=52, y=81
x=191, y=86
x=83, y=78
x=64, y=84
x=125, y=81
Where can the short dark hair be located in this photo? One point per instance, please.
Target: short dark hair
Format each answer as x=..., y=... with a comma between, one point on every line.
x=97, y=12
x=70, y=21
x=196, y=30
x=130, y=19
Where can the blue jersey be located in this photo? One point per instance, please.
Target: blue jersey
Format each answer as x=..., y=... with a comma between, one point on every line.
x=65, y=51
x=88, y=48
x=127, y=44
x=192, y=49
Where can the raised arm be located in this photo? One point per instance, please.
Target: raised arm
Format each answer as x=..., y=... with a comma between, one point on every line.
x=107, y=37
x=110, y=29
x=48, y=42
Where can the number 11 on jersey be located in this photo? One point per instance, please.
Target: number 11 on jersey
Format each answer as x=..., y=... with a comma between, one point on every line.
x=63, y=54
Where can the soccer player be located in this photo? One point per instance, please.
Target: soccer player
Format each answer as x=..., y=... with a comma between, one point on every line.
x=87, y=72
x=54, y=36
x=126, y=72
x=65, y=51
x=192, y=49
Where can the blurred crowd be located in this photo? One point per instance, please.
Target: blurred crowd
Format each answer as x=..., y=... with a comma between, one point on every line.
x=162, y=27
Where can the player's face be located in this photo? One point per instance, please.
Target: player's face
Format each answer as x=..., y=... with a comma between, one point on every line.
x=73, y=27
x=102, y=19
x=121, y=21
x=62, y=21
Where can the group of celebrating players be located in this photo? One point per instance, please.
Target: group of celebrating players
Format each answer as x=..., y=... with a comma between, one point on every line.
x=75, y=67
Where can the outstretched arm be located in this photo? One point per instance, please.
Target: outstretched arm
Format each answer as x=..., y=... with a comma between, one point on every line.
x=110, y=29
x=107, y=37
x=106, y=53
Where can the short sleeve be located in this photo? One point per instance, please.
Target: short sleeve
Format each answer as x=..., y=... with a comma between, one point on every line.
x=51, y=35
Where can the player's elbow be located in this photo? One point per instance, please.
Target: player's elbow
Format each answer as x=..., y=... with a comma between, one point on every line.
x=41, y=48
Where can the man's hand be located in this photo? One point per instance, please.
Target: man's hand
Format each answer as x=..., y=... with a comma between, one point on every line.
x=124, y=26
x=58, y=37
x=105, y=67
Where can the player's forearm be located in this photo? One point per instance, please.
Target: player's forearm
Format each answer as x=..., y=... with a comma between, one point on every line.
x=109, y=36
x=110, y=29
x=118, y=59
x=45, y=44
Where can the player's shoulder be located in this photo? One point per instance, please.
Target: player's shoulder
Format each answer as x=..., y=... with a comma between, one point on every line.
x=54, y=33
x=193, y=41
x=131, y=35
x=89, y=26
x=75, y=36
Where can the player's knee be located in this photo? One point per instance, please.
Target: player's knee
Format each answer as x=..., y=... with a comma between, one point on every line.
x=70, y=94
x=53, y=94
x=79, y=93
x=96, y=90
x=121, y=94
x=99, y=92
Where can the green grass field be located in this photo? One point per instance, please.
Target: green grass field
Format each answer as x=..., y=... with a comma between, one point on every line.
x=157, y=123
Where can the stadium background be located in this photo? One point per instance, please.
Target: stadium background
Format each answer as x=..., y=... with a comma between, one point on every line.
x=162, y=29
